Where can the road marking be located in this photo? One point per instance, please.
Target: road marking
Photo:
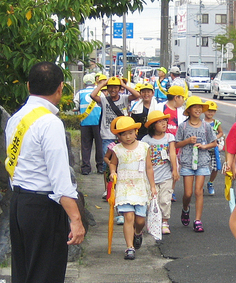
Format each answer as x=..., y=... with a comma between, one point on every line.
x=219, y=102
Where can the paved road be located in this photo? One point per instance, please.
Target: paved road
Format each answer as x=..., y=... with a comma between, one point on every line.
x=208, y=256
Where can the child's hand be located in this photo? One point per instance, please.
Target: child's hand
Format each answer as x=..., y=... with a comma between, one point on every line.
x=192, y=139
x=154, y=191
x=112, y=176
x=175, y=175
x=199, y=145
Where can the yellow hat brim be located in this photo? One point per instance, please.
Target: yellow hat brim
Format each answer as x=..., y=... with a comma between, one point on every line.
x=148, y=123
x=117, y=131
x=204, y=108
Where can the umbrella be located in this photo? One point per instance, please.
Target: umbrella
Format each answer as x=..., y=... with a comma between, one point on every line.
x=228, y=183
x=111, y=202
x=229, y=191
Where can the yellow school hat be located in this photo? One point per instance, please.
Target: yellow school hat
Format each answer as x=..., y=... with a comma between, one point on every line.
x=113, y=81
x=146, y=86
x=123, y=123
x=195, y=100
x=176, y=90
x=102, y=77
x=212, y=105
x=154, y=116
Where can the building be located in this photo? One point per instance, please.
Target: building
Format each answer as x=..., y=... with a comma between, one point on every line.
x=194, y=26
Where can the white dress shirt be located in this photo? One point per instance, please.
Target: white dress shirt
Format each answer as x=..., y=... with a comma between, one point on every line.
x=43, y=163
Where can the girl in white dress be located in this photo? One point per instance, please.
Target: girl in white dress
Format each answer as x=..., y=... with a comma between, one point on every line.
x=131, y=163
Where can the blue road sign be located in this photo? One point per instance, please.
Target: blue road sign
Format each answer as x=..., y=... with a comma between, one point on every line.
x=118, y=30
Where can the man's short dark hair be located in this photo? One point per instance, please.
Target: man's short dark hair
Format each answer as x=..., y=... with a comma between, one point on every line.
x=45, y=78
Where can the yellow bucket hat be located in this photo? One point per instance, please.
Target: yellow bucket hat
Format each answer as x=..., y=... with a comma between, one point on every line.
x=154, y=116
x=212, y=105
x=146, y=86
x=195, y=100
x=176, y=90
x=113, y=81
x=123, y=123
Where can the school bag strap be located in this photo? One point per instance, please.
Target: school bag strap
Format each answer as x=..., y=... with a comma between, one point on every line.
x=114, y=107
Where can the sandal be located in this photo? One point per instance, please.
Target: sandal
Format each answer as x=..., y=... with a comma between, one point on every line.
x=185, y=217
x=197, y=226
x=129, y=253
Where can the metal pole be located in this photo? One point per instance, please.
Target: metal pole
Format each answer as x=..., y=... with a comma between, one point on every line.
x=96, y=51
x=164, y=54
x=124, y=47
x=103, y=44
x=200, y=33
x=222, y=57
x=111, y=54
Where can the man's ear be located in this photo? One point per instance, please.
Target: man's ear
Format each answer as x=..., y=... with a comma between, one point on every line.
x=28, y=86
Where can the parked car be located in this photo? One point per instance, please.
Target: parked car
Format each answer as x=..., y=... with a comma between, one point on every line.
x=144, y=76
x=154, y=76
x=224, y=84
x=198, y=78
x=137, y=73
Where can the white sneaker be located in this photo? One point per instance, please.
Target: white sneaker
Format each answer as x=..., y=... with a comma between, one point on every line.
x=104, y=195
x=120, y=220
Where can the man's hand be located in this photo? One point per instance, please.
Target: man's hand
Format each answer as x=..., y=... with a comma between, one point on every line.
x=77, y=233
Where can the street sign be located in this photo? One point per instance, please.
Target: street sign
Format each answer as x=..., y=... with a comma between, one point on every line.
x=230, y=55
x=229, y=46
x=118, y=30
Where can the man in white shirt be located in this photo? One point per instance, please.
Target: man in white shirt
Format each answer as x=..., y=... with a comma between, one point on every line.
x=42, y=189
x=175, y=76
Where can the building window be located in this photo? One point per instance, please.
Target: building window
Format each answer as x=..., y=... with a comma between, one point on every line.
x=221, y=19
x=177, y=42
x=204, y=41
x=176, y=22
x=205, y=19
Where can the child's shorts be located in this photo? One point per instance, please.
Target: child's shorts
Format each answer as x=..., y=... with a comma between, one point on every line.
x=203, y=171
x=140, y=210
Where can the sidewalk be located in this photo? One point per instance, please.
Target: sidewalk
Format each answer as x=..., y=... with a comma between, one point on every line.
x=96, y=265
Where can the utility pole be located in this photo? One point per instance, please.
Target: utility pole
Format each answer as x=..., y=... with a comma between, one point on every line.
x=104, y=26
x=124, y=47
x=111, y=54
x=200, y=32
x=164, y=54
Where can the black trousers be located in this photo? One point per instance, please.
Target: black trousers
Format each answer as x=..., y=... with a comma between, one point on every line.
x=39, y=231
x=88, y=134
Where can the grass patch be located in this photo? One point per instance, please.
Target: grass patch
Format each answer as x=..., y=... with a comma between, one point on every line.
x=75, y=137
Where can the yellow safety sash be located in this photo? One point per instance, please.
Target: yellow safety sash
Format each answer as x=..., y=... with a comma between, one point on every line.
x=186, y=90
x=161, y=88
x=89, y=109
x=14, y=147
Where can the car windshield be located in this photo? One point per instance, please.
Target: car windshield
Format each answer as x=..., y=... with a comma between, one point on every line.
x=199, y=73
x=228, y=77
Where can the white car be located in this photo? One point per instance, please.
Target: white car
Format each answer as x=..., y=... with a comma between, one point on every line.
x=224, y=85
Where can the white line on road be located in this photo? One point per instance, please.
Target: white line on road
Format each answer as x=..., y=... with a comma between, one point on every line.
x=220, y=102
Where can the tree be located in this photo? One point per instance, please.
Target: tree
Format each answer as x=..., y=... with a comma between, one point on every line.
x=33, y=31
x=223, y=39
x=111, y=7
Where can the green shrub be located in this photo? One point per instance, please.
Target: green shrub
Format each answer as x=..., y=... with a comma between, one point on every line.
x=70, y=121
